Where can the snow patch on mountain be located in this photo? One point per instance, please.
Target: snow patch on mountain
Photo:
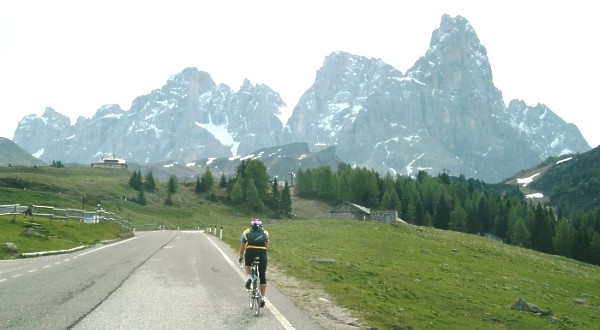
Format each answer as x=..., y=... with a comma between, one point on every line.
x=283, y=114
x=527, y=180
x=534, y=195
x=221, y=133
x=564, y=160
x=39, y=153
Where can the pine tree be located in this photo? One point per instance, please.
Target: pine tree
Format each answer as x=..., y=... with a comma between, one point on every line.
x=236, y=195
x=168, y=200
x=172, y=184
x=542, y=233
x=135, y=181
x=390, y=201
x=149, y=183
x=325, y=184
x=256, y=170
x=286, y=200
x=223, y=181
x=199, y=187
x=207, y=181
x=441, y=217
x=275, y=199
x=595, y=249
x=483, y=214
x=458, y=219
x=141, y=199
x=564, y=239
x=520, y=235
x=253, y=197
x=304, y=183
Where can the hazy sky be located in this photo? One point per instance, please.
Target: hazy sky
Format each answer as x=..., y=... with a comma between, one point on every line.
x=76, y=56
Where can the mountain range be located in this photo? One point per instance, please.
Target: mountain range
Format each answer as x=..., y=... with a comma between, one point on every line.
x=443, y=115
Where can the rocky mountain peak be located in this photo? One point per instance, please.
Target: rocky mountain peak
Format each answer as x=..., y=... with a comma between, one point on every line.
x=445, y=114
x=109, y=110
x=455, y=59
x=199, y=81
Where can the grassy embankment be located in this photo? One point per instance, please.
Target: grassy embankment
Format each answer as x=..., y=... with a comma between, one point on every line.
x=392, y=277
x=66, y=188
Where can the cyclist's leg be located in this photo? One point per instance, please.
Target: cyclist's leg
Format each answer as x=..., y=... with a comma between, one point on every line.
x=262, y=271
x=248, y=259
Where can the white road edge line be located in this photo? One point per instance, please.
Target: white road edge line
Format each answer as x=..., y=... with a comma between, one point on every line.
x=105, y=246
x=282, y=320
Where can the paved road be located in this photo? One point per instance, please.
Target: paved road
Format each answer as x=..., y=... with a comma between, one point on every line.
x=156, y=280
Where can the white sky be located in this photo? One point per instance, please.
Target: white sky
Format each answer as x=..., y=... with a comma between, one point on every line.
x=76, y=56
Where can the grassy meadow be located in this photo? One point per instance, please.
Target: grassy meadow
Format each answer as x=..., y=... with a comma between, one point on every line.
x=409, y=277
x=389, y=276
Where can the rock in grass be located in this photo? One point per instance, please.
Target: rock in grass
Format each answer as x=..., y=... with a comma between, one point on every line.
x=522, y=305
x=323, y=260
x=12, y=247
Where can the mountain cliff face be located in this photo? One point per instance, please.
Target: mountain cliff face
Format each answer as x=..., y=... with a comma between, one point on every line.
x=444, y=114
x=189, y=118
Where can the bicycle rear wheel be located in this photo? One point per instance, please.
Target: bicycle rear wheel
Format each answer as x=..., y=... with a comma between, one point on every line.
x=255, y=298
x=256, y=305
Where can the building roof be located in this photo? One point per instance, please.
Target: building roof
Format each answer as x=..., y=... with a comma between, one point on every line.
x=357, y=208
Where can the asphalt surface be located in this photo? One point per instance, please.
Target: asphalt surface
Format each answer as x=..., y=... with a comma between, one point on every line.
x=156, y=280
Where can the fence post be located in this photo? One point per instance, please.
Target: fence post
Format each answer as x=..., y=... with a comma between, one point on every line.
x=221, y=233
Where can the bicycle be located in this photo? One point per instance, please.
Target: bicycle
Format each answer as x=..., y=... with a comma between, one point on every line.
x=254, y=292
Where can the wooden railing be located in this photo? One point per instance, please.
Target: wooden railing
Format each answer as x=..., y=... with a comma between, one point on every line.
x=65, y=214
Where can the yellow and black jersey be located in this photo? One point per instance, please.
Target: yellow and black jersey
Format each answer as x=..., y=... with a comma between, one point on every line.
x=255, y=239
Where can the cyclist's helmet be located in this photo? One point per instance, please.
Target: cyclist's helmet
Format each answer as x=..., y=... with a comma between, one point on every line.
x=255, y=223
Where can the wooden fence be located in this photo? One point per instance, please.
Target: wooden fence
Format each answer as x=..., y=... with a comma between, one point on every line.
x=66, y=214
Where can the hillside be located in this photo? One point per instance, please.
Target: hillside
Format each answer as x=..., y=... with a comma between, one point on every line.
x=387, y=277
x=13, y=155
x=570, y=182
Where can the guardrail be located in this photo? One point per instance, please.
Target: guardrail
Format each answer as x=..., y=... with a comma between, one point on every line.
x=65, y=214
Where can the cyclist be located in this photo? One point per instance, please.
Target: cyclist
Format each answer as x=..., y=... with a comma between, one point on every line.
x=254, y=243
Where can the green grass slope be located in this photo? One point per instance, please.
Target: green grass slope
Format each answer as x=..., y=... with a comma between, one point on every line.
x=391, y=277
x=409, y=277
x=85, y=188
x=11, y=153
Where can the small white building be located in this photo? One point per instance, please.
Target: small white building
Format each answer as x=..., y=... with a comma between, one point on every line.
x=111, y=163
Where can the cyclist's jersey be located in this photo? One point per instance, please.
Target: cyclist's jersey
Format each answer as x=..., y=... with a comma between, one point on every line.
x=244, y=240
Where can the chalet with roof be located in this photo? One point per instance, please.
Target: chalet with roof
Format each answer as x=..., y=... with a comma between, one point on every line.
x=111, y=163
x=348, y=210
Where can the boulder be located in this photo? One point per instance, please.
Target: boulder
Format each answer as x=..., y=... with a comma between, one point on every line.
x=12, y=247
x=522, y=305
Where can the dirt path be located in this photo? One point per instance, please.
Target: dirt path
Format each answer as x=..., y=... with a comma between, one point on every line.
x=315, y=302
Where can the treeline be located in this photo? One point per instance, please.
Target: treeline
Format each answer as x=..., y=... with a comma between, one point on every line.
x=141, y=184
x=458, y=204
x=251, y=188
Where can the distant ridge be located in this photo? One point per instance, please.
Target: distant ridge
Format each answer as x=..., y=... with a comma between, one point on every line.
x=13, y=155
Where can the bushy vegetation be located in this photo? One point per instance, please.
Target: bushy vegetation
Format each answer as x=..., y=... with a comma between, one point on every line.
x=458, y=204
